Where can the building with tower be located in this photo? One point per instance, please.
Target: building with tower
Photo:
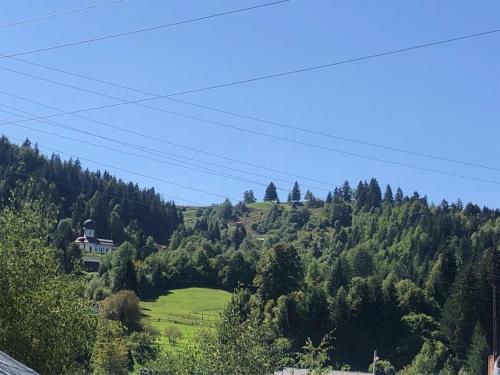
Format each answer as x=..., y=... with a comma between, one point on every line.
x=89, y=243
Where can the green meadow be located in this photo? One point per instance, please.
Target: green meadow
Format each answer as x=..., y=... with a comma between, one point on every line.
x=186, y=309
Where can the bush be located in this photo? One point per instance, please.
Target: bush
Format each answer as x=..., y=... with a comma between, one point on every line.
x=173, y=334
x=123, y=307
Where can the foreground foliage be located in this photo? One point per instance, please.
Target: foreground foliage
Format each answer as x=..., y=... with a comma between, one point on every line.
x=45, y=321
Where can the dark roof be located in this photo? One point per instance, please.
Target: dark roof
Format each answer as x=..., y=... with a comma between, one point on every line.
x=95, y=240
x=89, y=224
x=9, y=366
x=105, y=242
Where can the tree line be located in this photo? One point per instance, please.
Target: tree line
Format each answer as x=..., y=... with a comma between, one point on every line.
x=318, y=281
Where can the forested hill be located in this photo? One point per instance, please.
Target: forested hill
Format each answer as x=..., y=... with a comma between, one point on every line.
x=79, y=194
x=356, y=271
x=363, y=268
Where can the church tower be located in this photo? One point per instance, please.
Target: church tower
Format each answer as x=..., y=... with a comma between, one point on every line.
x=89, y=228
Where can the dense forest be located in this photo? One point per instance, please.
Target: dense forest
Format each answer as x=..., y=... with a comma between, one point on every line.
x=318, y=281
x=79, y=194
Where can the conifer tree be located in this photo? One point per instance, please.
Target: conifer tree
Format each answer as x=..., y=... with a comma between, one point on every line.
x=399, y=196
x=337, y=194
x=374, y=193
x=249, y=197
x=271, y=194
x=477, y=352
x=388, y=197
x=361, y=195
x=346, y=191
x=329, y=198
x=295, y=194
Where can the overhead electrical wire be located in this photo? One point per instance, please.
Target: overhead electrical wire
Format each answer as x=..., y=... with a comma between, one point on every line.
x=253, y=118
x=271, y=136
x=184, y=147
x=305, y=69
x=60, y=13
x=168, y=182
x=147, y=29
x=149, y=150
x=189, y=166
x=74, y=188
x=348, y=139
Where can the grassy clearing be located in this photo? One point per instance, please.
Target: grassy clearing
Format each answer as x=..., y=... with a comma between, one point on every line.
x=186, y=309
x=189, y=216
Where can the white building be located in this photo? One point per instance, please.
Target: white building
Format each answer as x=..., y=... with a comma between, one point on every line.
x=89, y=243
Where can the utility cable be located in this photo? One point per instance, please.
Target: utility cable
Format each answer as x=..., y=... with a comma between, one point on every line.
x=108, y=148
x=253, y=118
x=60, y=13
x=147, y=29
x=285, y=139
x=274, y=123
x=149, y=150
x=134, y=172
x=174, y=144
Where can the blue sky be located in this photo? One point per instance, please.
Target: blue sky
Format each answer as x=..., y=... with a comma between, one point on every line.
x=442, y=100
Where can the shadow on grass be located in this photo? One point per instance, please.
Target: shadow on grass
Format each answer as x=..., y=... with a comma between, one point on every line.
x=153, y=297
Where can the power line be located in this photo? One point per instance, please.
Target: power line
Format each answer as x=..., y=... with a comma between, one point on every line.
x=147, y=29
x=285, y=139
x=253, y=118
x=329, y=65
x=60, y=13
x=180, y=146
x=82, y=189
x=275, y=75
x=149, y=150
x=132, y=172
x=190, y=166
x=288, y=73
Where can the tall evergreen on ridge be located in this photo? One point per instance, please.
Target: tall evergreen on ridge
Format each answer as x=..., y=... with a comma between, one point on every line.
x=388, y=197
x=271, y=194
x=399, y=197
x=346, y=191
x=295, y=193
x=249, y=197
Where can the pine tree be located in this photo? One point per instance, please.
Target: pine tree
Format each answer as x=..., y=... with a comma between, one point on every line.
x=399, y=196
x=388, y=198
x=374, y=193
x=309, y=196
x=361, y=195
x=477, y=352
x=271, y=194
x=26, y=143
x=329, y=198
x=248, y=197
x=346, y=191
x=337, y=194
x=295, y=194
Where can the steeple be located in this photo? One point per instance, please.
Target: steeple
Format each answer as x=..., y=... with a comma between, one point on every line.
x=89, y=228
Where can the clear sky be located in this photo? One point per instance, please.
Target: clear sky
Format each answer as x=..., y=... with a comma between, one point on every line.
x=443, y=100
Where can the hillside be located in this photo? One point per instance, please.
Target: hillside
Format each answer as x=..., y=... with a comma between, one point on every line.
x=186, y=309
x=120, y=209
x=357, y=270
x=381, y=270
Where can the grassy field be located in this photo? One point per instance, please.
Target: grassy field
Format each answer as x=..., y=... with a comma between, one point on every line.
x=187, y=309
x=189, y=216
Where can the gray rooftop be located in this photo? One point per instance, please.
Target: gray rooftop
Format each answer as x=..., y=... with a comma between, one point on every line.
x=9, y=366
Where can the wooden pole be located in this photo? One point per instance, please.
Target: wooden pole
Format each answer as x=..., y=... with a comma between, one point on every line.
x=494, y=321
